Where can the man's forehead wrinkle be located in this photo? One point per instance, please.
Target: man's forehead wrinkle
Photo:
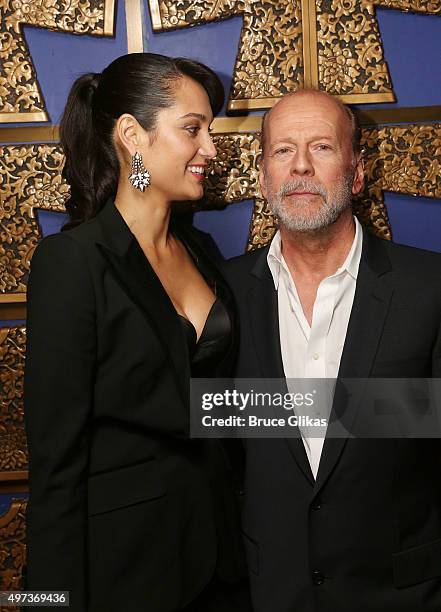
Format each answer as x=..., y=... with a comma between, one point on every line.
x=295, y=104
x=311, y=127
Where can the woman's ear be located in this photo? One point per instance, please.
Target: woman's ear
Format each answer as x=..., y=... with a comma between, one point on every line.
x=128, y=134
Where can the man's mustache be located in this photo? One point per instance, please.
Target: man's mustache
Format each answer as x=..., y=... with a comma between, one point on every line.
x=302, y=186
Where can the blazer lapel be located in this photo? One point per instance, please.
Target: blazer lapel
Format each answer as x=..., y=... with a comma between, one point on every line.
x=371, y=304
x=136, y=276
x=264, y=317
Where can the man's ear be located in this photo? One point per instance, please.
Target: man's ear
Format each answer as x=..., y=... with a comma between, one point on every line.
x=128, y=134
x=358, y=182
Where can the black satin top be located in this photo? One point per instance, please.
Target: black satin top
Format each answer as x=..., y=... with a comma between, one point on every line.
x=213, y=343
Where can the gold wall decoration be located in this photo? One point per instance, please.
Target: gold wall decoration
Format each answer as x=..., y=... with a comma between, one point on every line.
x=13, y=453
x=286, y=44
x=432, y=7
x=13, y=548
x=30, y=178
x=20, y=96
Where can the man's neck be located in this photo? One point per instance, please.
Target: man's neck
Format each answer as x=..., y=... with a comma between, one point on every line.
x=317, y=255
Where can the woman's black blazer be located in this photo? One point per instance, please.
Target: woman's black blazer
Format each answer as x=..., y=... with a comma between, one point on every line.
x=125, y=512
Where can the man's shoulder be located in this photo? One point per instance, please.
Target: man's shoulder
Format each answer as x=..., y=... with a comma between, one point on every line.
x=247, y=261
x=412, y=260
x=240, y=268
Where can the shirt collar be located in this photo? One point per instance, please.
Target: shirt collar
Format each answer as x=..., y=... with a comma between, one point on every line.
x=352, y=261
x=275, y=259
x=351, y=264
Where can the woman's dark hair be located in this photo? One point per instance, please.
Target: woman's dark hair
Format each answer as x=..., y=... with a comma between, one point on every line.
x=140, y=84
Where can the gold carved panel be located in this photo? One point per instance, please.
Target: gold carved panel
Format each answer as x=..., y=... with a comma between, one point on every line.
x=13, y=548
x=432, y=7
x=287, y=44
x=13, y=453
x=350, y=54
x=20, y=95
x=30, y=177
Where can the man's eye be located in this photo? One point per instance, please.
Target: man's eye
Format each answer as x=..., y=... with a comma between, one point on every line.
x=323, y=147
x=192, y=129
x=281, y=151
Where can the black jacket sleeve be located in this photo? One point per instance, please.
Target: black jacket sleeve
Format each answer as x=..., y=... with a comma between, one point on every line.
x=59, y=379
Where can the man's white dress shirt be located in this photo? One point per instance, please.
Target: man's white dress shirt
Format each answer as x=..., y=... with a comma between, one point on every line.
x=314, y=352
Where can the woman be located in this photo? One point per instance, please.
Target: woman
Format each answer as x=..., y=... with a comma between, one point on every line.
x=126, y=512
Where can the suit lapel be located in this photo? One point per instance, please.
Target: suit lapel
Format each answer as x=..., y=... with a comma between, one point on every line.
x=264, y=317
x=133, y=271
x=371, y=304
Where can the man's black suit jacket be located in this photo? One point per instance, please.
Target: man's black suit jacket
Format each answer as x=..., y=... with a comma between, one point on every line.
x=125, y=511
x=366, y=535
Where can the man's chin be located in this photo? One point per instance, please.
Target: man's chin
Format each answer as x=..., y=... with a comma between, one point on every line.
x=308, y=223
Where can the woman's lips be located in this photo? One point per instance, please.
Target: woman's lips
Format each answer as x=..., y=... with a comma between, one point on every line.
x=197, y=171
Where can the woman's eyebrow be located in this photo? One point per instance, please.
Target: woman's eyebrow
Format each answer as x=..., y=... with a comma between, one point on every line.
x=195, y=115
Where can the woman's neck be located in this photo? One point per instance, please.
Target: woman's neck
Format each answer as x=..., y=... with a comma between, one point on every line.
x=146, y=214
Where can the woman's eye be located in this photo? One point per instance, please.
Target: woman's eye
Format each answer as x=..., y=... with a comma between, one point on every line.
x=192, y=129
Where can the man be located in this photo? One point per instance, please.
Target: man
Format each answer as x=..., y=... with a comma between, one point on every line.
x=342, y=524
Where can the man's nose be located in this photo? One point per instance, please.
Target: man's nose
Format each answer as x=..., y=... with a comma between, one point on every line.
x=302, y=163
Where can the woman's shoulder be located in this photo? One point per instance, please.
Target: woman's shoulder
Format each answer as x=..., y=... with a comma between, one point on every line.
x=67, y=244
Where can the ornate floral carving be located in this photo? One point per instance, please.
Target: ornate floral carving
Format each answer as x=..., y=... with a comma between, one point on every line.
x=30, y=177
x=350, y=55
x=263, y=225
x=417, y=6
x=234, y=174
x=19, y=90
x=13, y=548
x=270, y=63
x=13, y=455
x=405, y=159
x=270, y=59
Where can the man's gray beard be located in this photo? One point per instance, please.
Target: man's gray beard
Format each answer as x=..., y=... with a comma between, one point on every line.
x=290, y=215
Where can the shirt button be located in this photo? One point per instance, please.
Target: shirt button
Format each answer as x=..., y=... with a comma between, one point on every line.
x=317, y=577
x=316, y=356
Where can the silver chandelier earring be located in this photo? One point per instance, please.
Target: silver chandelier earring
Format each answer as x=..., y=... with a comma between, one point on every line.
x=139, y=177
